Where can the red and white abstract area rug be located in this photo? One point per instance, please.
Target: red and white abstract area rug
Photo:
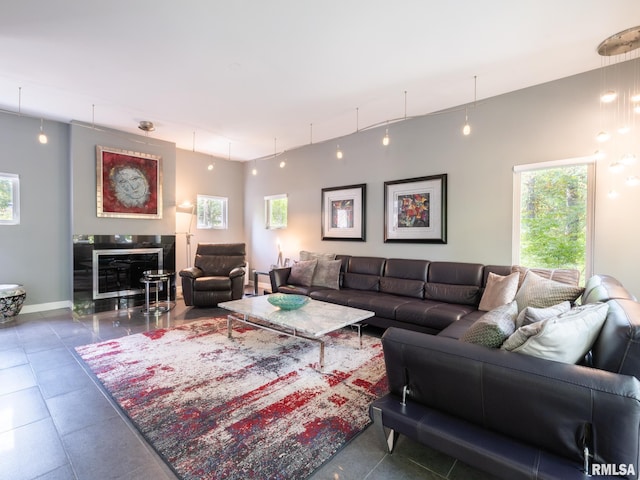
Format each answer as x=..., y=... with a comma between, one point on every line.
x=250, y=407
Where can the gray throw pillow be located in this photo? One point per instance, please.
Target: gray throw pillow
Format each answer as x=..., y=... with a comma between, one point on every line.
x=531, y=315
x=493, y=327
x=302, y=273
x=541, y=292
x=327, y=274
x=564, y=338
x=499, y=291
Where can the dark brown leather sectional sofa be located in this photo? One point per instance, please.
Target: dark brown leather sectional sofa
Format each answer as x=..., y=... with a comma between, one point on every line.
x=418, y=295
x=513, y=415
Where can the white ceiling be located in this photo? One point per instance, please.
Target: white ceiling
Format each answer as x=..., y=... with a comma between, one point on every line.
x=261, y=75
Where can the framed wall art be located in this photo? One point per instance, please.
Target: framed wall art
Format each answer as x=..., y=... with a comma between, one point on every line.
x=129, y=184
x=415, y=210
x=343, y=213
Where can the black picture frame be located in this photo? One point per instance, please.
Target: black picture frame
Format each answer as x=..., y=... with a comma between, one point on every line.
x=343, y=213
x=415, y=210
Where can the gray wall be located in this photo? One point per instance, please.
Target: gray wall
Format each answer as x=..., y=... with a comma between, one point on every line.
x=553, y=121
x=37, y=253
x=193, y=178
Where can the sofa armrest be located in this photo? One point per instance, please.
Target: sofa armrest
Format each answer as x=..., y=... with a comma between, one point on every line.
x=191, y=272
x=555, y=406
x=237, y=272
x=279, y=277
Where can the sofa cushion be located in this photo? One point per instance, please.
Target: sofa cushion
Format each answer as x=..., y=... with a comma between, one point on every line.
x=381, y=304
x=541, y=292
x=358, y=281
x=564, y=338
x=601, y=288
x=401, y=286
x=212, y=283
x=500, y=290
x=405, y=268
x=430, y=314
x=530, y=315
x=366, y=265
x=302, y=272
x=456, y=273
x=460, y=294
x=494, y=327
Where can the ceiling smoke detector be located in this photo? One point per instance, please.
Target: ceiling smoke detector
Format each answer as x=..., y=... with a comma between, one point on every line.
x=146, y=126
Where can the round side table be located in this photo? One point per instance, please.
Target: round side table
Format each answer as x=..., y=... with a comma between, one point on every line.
x=156, y=278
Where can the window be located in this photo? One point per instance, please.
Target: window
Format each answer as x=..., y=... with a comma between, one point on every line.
x=9, y=199
x=212, y=212
x=553, y=214
x=275, y=211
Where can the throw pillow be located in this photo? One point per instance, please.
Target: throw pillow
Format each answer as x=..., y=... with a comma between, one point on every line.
x=531, y=315
x=327, y=274
x=302, y=273
x=305, y=255
x=562, y=275
x=493, y=327
x=564, y=338
x=540, y=292
x=500, y=290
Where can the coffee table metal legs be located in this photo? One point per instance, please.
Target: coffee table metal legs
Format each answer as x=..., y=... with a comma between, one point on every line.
x=246, y=320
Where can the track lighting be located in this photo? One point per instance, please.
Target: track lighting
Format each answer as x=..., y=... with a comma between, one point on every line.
x=42, y=137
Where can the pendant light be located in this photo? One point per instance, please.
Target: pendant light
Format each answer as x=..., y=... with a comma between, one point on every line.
x=339, y=153
x=42, y=137
x=466, y=128
x=385, y=139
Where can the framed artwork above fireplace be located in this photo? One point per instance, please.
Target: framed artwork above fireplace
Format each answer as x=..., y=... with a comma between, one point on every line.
x=128, y=184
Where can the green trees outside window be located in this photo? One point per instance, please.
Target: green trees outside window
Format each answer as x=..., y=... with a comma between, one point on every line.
x=9, y=199
x=554, y=219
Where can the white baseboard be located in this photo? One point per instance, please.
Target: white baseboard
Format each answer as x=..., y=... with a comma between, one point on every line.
x=43, y=307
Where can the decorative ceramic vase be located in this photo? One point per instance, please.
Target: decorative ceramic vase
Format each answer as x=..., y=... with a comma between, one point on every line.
x=11, y=299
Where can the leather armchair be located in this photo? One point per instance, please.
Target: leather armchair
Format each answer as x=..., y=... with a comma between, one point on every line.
x=217, y=275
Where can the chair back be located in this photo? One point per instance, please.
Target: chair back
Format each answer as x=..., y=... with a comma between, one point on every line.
x=218, y=259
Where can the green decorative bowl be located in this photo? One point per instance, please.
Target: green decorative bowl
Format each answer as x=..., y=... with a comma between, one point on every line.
x=287, y=301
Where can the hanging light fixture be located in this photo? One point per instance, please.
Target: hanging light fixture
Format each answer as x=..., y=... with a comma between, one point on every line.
x=42, y=137
x=385, y=139
x=466, y=128
x=625, y=101
x=339, y=153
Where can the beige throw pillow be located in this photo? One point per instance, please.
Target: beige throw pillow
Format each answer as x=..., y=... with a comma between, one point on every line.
x=564, y=338
x=500, y=290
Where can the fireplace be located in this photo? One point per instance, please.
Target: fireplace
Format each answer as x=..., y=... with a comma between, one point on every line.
x=107, y=269
x=117, y=272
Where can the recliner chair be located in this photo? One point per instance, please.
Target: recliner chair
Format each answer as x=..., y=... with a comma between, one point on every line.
x=217, y=275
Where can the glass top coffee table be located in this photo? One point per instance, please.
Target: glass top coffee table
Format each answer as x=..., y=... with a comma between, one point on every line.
x=311, y=321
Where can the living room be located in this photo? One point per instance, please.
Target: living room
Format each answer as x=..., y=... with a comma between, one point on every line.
x=548, y=122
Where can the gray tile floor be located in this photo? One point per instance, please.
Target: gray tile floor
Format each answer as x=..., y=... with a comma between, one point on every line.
x=56, y=422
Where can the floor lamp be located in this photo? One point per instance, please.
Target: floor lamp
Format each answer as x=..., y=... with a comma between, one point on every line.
x=187, y=207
